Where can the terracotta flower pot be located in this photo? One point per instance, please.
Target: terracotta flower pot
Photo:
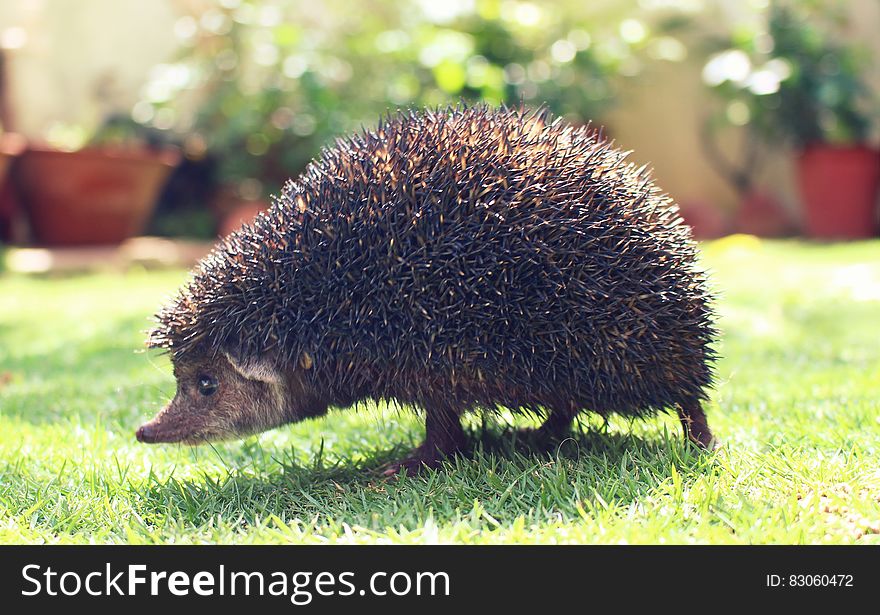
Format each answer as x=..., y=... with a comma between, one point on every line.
x=90, y=196
x=705, y=219
x=839, y=191
x=761, y=214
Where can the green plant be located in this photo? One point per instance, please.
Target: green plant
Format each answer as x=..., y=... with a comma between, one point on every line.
x=119, y=130
x=265, y=84
x=794, y=78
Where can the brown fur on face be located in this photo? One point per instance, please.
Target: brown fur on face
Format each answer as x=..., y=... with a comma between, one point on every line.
x=244, y=397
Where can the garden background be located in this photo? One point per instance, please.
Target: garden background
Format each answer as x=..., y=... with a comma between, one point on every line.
x=135, y=133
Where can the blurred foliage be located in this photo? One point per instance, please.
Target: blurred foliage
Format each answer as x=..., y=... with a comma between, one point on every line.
x=264, y=84
x=794, y=77
x=120, y=130
x=195, y=222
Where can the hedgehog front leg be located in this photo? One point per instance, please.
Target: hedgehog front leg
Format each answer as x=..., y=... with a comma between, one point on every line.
x=444, y=437
x=696, y=429
x=557, y=425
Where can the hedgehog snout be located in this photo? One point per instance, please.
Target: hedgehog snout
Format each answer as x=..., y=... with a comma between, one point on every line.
x=171, y=424
x=145, y=433
x=154, y=432
x=149, y=433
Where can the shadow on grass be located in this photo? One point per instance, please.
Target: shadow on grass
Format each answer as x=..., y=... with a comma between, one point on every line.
x=505, y=472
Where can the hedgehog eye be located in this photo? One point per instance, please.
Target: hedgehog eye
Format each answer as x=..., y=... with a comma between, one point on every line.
x=207, y=384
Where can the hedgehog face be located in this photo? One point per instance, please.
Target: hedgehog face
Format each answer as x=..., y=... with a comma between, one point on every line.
x=220, y=398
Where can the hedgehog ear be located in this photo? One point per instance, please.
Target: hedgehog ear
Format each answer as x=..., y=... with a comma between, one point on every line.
x=258, y=368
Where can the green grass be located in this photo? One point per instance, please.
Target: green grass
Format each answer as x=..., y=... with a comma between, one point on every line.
x=797, y=406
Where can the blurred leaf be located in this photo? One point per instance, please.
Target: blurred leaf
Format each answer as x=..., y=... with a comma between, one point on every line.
x=334, y=66
x=823, y=98
x=450, y=76
x=286, y=35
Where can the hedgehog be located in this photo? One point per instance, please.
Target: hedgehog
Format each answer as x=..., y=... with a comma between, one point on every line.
x=456, y=260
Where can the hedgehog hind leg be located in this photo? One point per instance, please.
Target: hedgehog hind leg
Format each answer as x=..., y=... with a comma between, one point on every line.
x=694, y=423
x=444, y=438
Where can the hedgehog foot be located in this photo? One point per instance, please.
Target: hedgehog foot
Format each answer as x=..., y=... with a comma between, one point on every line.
x=556, y=427
x=696, y=429
x=421, y=459
x=444, y=438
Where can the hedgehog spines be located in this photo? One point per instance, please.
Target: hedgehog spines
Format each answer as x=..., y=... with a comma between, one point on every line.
x=495, y=254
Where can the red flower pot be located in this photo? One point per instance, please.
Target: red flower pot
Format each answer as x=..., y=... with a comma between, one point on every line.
x=761, y=214
x=90, y=196
x=839, y=191
x=705, y=219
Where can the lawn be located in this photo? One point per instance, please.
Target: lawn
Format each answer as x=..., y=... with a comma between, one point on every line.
x=797, y=406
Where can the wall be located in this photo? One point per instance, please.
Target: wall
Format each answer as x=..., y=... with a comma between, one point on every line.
x=79, y=64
